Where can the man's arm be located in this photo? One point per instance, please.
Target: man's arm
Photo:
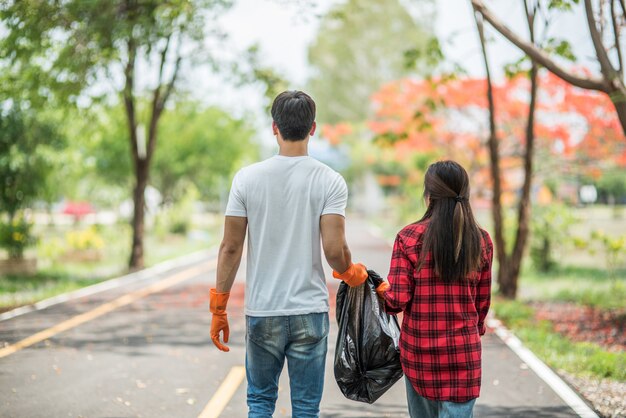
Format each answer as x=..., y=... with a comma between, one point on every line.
x=228, y=261
x=333, y=229
x=230, y=252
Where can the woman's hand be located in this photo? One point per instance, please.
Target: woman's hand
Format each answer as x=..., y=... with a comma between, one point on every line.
x=382, y=288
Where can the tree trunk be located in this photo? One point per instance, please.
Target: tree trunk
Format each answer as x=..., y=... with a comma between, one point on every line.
x=524, y=209
x=619, y=102
x=494, y=160
x=138, y=223
x=142, y=159
x=507, y=282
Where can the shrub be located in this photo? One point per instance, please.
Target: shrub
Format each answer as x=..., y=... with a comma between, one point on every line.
x=86, y=239
x=16, y=235
x=550, y=230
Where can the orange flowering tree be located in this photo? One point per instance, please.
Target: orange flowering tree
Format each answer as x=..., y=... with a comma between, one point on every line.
x=418, y=121
x=445, y=119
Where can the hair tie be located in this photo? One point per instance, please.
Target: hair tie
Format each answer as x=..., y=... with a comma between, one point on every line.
x=459, y=199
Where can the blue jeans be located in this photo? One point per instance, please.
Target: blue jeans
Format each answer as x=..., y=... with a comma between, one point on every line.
x=420, y=407
x=302, y=340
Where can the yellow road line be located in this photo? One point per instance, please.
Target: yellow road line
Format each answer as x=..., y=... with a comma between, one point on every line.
x=224, y=393
x=105, y=308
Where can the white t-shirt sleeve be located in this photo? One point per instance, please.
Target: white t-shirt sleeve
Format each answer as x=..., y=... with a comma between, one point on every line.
x=236, y=200
x=337, y=198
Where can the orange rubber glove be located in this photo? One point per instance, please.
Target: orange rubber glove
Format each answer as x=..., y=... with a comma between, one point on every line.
x=382, y=288
x=354, y=276
x=219, y=322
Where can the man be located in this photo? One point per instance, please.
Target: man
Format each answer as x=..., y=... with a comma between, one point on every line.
x=286, y=203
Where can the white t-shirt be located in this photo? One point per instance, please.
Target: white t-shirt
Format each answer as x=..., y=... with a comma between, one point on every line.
x=283, y=199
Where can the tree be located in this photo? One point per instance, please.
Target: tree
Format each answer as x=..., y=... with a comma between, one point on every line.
x=28, y=147
x=194, y=139
x=73, y=43
x=609, y=18
x=509, y=264
x=197, y=145
x=356, y=51
x=430, y=117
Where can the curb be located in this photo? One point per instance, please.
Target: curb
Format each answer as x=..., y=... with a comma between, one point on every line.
x=109, y=284
x=569, y=396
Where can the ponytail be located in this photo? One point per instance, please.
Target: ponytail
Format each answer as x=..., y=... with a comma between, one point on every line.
x=458, y=222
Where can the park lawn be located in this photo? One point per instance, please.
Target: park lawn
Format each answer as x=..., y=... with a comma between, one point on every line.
x=584, y=286
x=57, y=275
x=584, y=359
x=23, y=290
x=587, y=286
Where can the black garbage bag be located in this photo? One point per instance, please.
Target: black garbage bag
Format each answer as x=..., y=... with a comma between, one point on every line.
x=367, y=356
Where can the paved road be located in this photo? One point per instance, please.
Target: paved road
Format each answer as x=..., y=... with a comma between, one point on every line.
x=149, y=355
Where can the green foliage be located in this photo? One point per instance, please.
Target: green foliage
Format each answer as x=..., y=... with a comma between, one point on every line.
x=16, y=235
x=590, y=286
x=253, y=71
x=21, y=290
x=84, y=239
x=561, y=48
x=518, y=67
x=357, y=50
x=200, y=145
x=58, y=49
x=611, y=297
x=581, y=358
x=512, y=312
x=177, y=218
x=565, y=5
x=613, y=183
x=613, y=249
x=430, y=55
x=550, y=233
x=29, y=148
x=194, y=144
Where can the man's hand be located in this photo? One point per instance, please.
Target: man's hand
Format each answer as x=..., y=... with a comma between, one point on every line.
x=382, y=288
x=354, y=276
x=219, y=321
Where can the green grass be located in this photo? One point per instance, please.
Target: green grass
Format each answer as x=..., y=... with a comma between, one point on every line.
x=579, y=358
x=22, y=290
x=56, y=275
x=583, y=285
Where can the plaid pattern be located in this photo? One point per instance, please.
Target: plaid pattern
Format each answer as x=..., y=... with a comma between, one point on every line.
x=440, y=346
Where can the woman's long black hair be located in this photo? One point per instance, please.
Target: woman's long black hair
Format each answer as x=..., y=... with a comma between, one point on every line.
x=452, y=237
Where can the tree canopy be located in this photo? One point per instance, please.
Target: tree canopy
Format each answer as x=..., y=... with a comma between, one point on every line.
x=360, y=45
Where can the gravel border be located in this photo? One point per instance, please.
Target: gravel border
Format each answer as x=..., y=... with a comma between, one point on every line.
x=608, y=397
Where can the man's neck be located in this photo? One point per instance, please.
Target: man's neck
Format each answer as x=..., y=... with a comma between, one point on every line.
x=294, y=148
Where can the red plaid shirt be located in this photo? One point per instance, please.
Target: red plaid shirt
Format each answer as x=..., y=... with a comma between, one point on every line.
x=440, y=346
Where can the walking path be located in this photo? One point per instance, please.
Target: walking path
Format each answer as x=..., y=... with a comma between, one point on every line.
x=143, y=350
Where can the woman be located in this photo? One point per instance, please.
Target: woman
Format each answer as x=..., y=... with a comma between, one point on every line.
x=440, y=277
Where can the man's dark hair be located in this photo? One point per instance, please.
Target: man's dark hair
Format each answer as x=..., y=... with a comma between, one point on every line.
x=294, y=114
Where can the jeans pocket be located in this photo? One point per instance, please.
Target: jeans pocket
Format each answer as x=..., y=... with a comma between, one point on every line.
x=312, y=328
x=259, y=328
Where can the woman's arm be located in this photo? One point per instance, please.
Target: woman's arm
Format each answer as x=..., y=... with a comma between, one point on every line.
x=483, y=290
x=400, y=292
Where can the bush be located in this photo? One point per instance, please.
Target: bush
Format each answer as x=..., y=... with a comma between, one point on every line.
x=86, y=239
x=16, y=235
x=613, y=248
x=550, y=230
x=177, y=218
